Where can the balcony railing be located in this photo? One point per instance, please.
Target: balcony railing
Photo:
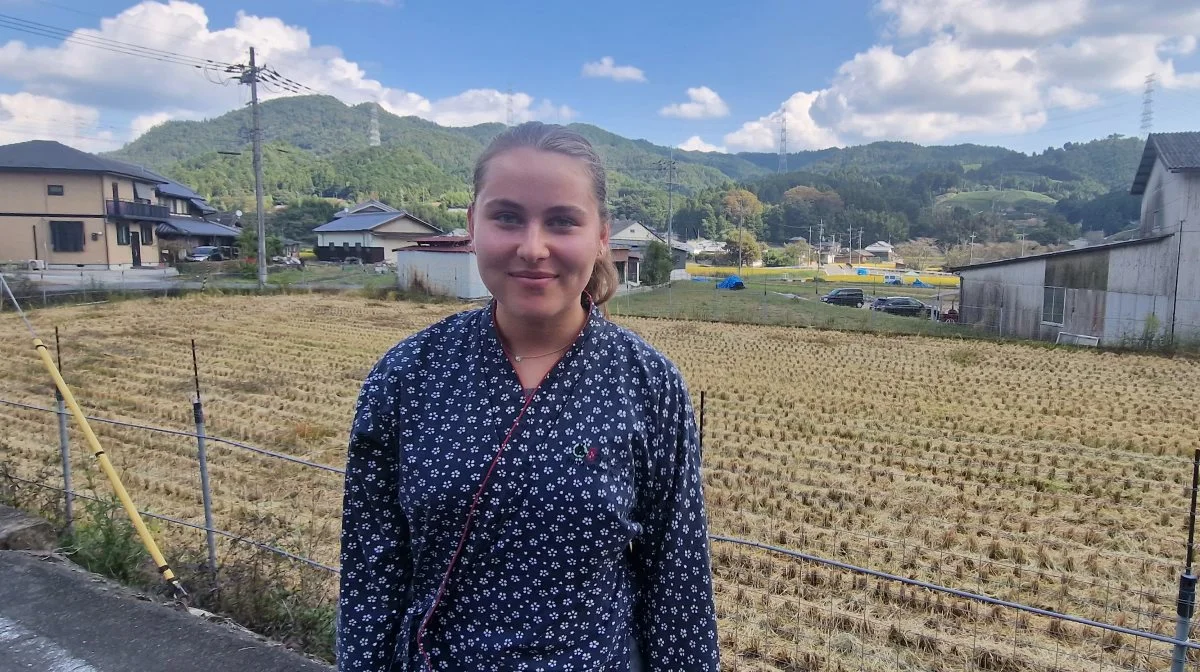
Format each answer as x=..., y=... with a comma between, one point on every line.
x=134, y=210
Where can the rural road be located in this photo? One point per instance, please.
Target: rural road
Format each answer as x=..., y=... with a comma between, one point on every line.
x=56, y=617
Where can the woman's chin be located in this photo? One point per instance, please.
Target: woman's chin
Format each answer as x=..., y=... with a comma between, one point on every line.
x=523, y=305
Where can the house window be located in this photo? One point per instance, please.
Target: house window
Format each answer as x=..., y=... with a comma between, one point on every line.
x=54, y=190
x=1054, y=300
x=66, y=236
x=147, y=233
x=122, y=234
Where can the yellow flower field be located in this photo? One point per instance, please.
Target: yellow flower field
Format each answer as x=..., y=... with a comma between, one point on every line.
x=1057, y=478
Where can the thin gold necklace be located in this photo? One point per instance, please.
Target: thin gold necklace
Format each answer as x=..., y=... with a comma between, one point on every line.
x=521, y=358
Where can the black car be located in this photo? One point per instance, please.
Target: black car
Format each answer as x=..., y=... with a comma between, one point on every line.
x=846, y=296
x=901, y=305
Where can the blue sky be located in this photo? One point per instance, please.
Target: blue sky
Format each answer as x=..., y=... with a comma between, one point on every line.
x=1026, y=74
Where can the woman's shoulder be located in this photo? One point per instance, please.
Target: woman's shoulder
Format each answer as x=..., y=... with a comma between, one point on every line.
x=636, y=352
x=435, y=341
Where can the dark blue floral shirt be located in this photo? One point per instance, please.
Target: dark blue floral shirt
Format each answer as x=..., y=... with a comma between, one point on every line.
x=589, y=547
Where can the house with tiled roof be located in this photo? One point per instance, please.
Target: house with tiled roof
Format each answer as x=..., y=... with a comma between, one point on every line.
x=369, y=231
x=64, y=208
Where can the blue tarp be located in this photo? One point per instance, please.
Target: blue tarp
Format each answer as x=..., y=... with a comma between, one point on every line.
x=862, y=271
x=732, y=282
x=918, y=283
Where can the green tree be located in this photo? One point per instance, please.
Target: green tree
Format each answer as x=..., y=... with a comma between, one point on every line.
x=247, y=243
x=744, y=243
x=656, y=267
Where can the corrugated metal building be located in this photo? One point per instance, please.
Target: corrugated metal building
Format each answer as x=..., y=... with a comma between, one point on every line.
x=1144, y=291
x=442, y=265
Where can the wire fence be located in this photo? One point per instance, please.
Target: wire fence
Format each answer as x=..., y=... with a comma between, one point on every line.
x=779, y=607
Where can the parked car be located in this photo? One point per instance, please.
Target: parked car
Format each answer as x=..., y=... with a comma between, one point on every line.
x=901, y=305
x=845, y=296
x=880, y=302
x=205, y=253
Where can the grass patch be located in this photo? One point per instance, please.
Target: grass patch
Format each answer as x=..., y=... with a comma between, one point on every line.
x=769, y=304
x=1009, y=198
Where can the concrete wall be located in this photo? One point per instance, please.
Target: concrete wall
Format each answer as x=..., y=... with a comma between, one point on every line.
x=1172, y=205
x=1004, y=299
x=1186, y=211
x=406, y=225
x=1140, y=281
x=446, y=273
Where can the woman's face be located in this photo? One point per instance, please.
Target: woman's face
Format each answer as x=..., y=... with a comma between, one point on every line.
x=536, y=228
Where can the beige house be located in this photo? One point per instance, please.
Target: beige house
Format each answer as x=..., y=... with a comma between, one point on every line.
x=368, y=232
x=63, y=208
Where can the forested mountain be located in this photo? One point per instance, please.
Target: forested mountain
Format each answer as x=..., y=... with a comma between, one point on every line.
x=317, y=148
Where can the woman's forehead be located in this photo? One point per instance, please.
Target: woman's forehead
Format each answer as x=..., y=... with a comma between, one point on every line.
x=537, y=178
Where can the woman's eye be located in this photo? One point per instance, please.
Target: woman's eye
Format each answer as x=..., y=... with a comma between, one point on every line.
x=562, y=222
x=506, y=218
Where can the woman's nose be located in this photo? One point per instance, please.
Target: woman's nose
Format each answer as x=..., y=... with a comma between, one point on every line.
x=533, y=243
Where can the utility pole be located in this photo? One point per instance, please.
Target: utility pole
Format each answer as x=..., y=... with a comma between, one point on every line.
x=972, y=249
x=741, y=243
x=251, y=77
x=821, y=233
x=850, y=244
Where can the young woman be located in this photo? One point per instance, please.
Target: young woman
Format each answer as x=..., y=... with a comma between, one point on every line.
x=523, y=484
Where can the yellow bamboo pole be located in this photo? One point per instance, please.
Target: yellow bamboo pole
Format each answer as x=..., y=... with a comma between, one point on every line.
x=98, y=452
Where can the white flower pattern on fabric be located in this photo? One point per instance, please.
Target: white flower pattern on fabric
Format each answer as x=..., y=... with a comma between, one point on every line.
x=592, y=534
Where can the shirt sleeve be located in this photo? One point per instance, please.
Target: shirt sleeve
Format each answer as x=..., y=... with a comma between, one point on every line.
x=375, y=556
x=674, y=611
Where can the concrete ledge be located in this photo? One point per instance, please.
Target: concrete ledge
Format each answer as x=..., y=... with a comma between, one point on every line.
x=56, y=616
x=20, y=531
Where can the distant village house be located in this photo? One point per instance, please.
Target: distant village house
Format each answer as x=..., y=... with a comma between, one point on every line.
x=368, y=232
x=64, y=208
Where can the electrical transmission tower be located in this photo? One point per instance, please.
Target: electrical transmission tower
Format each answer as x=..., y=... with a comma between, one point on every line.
x=1148, y=104
x=508, y=108
x=783, y=145
x=668, y=165
x=373, y=132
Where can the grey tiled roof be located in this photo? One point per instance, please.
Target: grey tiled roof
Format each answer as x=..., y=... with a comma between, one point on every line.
x=189, y=226
x=50, y=155
x=1177, y=151
x=366, y=221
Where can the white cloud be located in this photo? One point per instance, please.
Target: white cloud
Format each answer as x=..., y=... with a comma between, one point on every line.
x=986, y=67
x=25, y=116
x=697, y=144
x=155, y=91
x=606, y=67
x=1070, y=98
x=996, y=21
x=762, y=135
x=479, y=106
x=705, y=104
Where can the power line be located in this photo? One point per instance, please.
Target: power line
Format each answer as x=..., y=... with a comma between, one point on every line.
x=106, y=44
x=82, y=12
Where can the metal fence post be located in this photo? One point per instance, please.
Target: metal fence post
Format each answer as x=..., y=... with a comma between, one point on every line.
x=202, y=456
x=1186, y=604
x=64, y=447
